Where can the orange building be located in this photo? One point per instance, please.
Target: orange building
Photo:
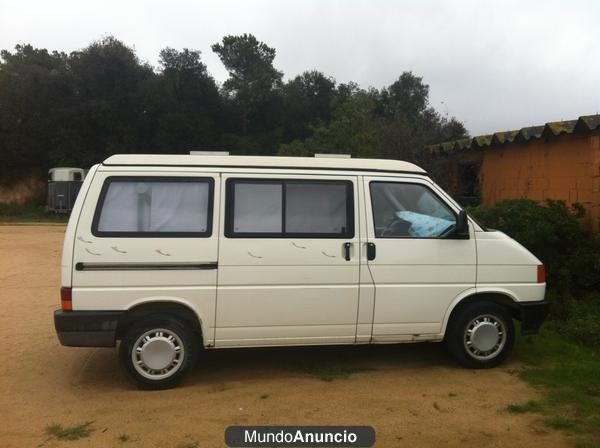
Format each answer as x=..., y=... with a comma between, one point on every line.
x=559, y=160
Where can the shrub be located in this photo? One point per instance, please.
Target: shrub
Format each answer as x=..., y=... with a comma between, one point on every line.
x=582, y=321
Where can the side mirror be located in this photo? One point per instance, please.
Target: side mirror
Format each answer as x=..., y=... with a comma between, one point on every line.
x=461, y=231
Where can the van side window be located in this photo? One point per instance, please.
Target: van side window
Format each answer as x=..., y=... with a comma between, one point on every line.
x=257, y=208
x=405, y=210
x=154, y=206
x=289, y=209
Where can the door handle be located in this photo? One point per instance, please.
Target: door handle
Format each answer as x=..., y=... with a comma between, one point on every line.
x=371, y=251
x=347, y=251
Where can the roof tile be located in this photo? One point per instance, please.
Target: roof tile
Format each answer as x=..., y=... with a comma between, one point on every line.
x=585, y=123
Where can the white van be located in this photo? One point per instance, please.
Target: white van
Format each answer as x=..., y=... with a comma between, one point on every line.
x=170, y=253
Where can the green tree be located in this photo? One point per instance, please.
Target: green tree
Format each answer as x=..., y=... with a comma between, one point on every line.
x=252, y=77
x=77, y=109
x=109, y=113
x=353, y=130
x=407, y=96
x=34, y=89
x=395, y=122
x=187, y=102
x=412, y=123
x=307, y=100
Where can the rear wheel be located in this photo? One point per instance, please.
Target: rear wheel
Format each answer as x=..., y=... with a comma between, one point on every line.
x=158, y=351
x=481, y=335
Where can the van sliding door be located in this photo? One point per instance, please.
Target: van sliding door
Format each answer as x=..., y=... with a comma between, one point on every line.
x=288, y=260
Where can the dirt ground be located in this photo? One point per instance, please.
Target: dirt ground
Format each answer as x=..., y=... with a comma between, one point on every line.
x=413, y=395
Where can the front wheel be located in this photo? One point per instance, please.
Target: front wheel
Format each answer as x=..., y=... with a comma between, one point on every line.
x=158, y=351
x=481, y=335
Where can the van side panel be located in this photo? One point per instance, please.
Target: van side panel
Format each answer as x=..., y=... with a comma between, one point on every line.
x=66, y=264
x=118, y=273
x=506, y=267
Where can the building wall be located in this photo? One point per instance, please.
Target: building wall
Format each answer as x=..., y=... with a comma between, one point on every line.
x=566, y=167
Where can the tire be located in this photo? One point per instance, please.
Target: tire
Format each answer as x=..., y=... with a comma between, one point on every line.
x=158, y=351
x=481, y=335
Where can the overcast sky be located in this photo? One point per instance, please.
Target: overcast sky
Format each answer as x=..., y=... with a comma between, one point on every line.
x=494, y=65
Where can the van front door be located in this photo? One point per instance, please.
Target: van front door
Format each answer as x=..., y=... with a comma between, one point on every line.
x=417, y=268
x=288, y=260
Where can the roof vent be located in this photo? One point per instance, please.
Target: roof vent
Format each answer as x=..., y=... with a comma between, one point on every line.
x=209, y=153
x=333, y=156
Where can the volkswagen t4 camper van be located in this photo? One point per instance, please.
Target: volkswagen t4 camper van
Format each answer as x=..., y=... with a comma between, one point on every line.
x=171, y=253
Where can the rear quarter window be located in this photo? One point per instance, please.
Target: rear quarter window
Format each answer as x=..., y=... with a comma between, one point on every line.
x=154, y=207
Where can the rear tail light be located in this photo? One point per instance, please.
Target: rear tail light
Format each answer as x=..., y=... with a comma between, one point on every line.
x=65, y=299
x=541, y=274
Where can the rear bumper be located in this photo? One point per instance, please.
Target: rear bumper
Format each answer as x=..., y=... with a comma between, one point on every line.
x=533, y=315
x=87, y=328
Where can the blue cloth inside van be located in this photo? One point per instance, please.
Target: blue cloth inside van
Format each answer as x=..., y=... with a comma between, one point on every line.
x=424, y=225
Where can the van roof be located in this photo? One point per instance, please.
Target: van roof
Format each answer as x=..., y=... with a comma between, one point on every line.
x=323, y=163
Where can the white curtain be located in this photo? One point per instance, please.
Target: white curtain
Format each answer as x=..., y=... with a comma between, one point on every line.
x=179, y=207
x=257, y=208
x=155, y=207
x=119, y=211
x=315, y=208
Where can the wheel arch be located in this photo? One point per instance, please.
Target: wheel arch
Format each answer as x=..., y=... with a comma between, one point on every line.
x=502, y=298
x=170, y=307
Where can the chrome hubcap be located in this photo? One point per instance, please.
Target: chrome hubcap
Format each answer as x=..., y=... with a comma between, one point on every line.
x=485, y=337
x=157, y=354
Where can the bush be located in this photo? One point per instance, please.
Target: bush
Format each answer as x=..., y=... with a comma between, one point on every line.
x=582, y=321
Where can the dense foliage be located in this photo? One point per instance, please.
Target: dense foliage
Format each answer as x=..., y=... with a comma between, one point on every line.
x=75, y=109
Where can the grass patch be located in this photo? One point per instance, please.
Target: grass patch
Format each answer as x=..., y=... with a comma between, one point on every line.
x=11, y=213
x=568, y=375
x=124, y=438
x=530, y=406
x=581, y=323
x=70, y=432
x=560, y=422
x=264, y=396
x=328, y=372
